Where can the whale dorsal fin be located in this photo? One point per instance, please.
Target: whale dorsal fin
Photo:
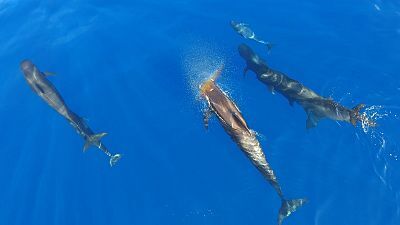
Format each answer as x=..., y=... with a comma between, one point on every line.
x=291, y=102
x=246, y=69
x=271, y=89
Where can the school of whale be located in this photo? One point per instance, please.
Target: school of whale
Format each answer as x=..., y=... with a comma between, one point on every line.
x=224, y=108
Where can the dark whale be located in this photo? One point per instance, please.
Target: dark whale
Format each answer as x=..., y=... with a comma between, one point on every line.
x=245, y=31
x=39, y=83
x=234, y=124
x=316, y=106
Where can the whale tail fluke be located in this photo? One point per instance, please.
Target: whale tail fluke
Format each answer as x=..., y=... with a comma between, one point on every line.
x=288, y=207
x=93, y=140
x=114, y=159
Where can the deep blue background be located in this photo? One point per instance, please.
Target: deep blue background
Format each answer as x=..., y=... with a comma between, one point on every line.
x=130, y=67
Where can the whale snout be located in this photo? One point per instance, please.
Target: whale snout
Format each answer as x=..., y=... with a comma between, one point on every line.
x=26, y=65
x=27, y=68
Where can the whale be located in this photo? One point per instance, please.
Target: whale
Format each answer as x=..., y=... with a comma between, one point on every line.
x=246, y=32
x=40, y=85
x=231, y=119
x=316, y=106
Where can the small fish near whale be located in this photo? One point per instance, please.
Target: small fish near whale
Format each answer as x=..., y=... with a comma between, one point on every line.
x=39, y=83
x=316, y=106
x=246, y=32
x=234, y=124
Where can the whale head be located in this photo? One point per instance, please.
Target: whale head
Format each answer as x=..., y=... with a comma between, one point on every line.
x=234, y=24
x=28, y=68
x=253, y=61
x=246, y=52
x=27, y=65
x=209, y=84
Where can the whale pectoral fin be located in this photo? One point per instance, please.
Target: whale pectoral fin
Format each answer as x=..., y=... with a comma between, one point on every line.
x=291, y=102
x=97, y=137
x=46, y=74
x=86, y=146
x=353, y=121
x=312, y=121
x=206, y=117
x=271, y=89
x=245, y=71
x=269, y=46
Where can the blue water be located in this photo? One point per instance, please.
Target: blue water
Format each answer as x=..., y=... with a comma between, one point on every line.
x=131, y=68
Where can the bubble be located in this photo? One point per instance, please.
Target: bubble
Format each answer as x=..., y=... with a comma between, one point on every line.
x=199, y=62
x=381, y=143
x=374, y=113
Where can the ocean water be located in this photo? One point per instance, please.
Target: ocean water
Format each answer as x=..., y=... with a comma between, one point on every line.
x=131, y=68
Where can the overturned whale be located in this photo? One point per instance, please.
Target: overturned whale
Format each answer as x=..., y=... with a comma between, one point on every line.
x=39, y=83
x=234, y=124
x=245, y=31
x=316, y=106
